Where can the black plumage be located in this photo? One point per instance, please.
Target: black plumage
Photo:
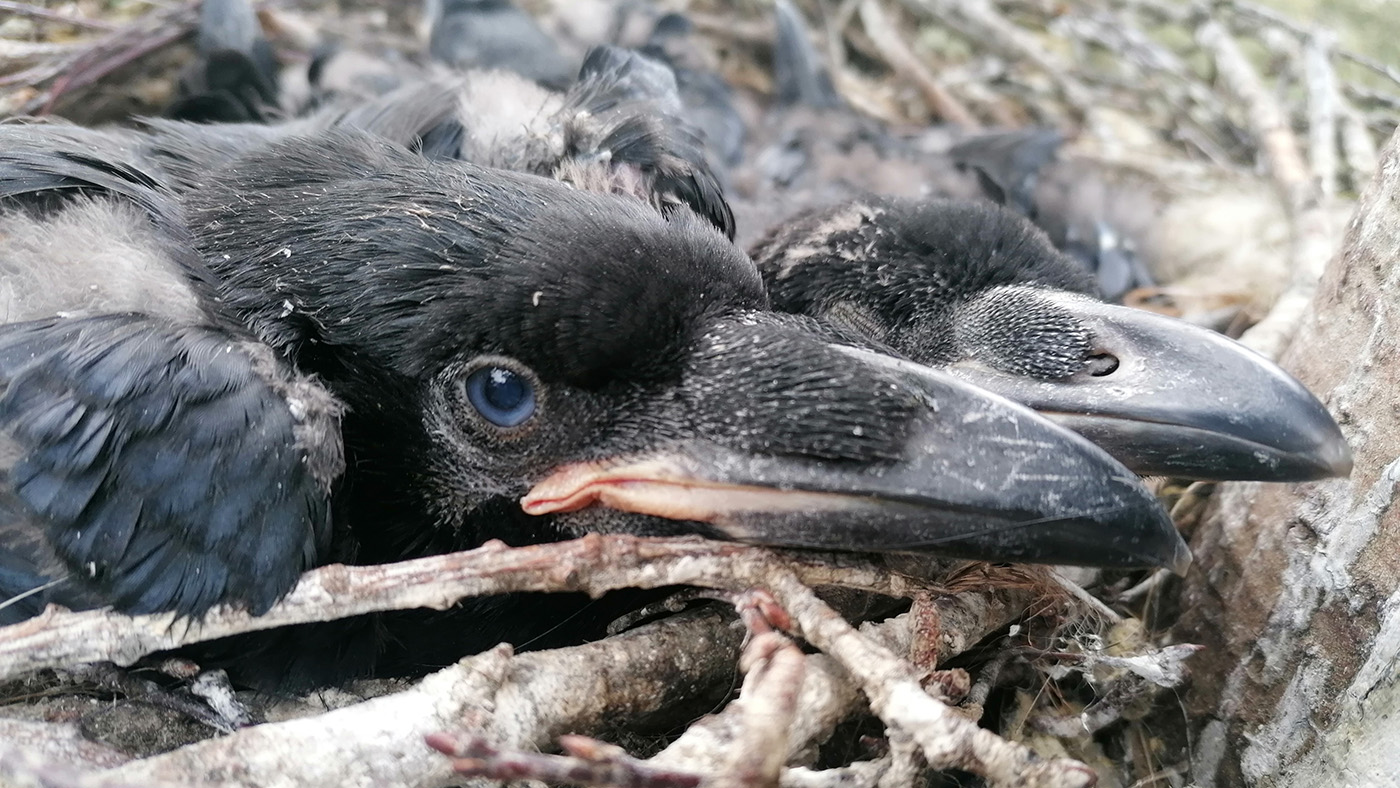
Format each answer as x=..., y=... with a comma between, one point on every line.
x=708, y=100
x=496, y=355
x=132, y=430
x=235, y=78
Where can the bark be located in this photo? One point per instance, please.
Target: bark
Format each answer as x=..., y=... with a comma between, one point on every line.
x=1296, y=592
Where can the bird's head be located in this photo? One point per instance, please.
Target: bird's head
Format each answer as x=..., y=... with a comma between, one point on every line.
x=579, y=356
x=979, y=291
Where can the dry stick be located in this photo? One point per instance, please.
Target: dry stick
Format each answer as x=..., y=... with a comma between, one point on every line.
x=861, y=774
x=1369, y=95
x=1358, y=146
x=994, y=29
x=593, y=564
x=1322, y=109
x=905, y=63
x=108, y=53
x=767, y=705
x=1085, y=598
x=759, y=32
x=24, y=9
x=125, y=56
x=947, y=738
x=595, y=763
x=515, y=701
x=18, y=52
x=1270, y=16
x=1312, y=241
x=1384, y=69
x=827, y=698
x=589, y=762
x=27, y=767
x=836, y=24
x=906, y=767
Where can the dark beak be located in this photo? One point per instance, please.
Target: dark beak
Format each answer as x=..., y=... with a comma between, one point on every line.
x=1174, y=399
x=979, y=477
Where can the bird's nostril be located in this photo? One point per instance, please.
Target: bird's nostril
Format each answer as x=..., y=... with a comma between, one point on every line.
x=1101, y=364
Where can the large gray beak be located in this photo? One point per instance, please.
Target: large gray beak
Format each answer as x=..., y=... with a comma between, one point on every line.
x=1181, y=401
x=980, y=477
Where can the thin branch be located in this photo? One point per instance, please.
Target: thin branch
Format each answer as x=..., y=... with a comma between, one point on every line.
x=593, y=564
x=1323, y=101
x=995, y=30
x=36, y=12
x=767, y=707
x=905, y=63
x=828, y=696
x=1312, y=237
x=1358, y=146
x=514, y=701
x=589, y=762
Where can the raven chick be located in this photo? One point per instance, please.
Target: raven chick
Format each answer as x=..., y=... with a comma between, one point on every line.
x=979, y=291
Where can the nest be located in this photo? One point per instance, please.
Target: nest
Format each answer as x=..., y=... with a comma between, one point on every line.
x=1021, y=676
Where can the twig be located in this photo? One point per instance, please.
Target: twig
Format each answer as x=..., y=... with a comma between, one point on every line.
x=1358, y=146
x=725, y=26
x=1384, y=69
x=515, y=701
x=828, y=697
x=31, y=746
x=91, y=62
x=948, y=739
x=25, y=9
x=906, y=765
x=1151, y=583
x=767, y=706
x=1323, y=99
x=836, y=24
x=124, y=56
x=589, y=762
x=1369, y=95
x=1111, y=31
x=905, y=63
x=27, y=51
x=1312, y=238
x=28, y=767
x=861, y=774
x=995, y=30
x=1266, y=119
x=1089, y=601
x=987, y=679
x=593, y=564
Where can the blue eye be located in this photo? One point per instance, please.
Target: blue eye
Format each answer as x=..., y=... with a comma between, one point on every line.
x=502, y=397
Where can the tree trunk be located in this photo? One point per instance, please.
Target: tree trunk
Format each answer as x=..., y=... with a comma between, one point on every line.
x=1296, y=589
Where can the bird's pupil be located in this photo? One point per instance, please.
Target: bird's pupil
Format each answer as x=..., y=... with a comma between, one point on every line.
x=504, y=389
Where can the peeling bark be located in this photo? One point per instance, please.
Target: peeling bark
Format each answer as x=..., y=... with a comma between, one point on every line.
x=1296, y=593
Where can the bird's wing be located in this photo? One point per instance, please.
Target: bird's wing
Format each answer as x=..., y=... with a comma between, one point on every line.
x=626, y=107
x=166, y=467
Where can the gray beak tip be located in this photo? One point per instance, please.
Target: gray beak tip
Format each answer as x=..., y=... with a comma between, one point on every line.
x=1181, y=560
